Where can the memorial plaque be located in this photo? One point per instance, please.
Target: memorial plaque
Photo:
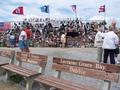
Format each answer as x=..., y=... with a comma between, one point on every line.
x=41, y=60
x=6, y=53
x=36, y=57
x=18, y=55
x=33, y=62
x=87, y=72
x=22, y=56
x=87, y=64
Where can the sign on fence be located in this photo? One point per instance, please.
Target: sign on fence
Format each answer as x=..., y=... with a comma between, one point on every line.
x=4, y=26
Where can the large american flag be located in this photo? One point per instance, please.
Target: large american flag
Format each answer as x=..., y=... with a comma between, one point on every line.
x=73, y=8
x=4, y=26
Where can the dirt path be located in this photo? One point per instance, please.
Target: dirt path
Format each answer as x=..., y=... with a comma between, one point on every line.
x=8, y=86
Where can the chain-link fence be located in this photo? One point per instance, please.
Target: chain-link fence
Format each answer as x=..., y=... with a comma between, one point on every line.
x=47, y=33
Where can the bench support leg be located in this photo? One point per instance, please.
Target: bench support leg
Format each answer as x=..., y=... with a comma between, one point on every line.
x=53, y=88
x=107, y=85
x=58, y=74
x=8, y=74
x=45, y=87
x=29, y=83
x=2, y=72
x=13, y=58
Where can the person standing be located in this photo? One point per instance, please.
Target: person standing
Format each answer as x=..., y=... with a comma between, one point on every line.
x=12, y=40
x=113, y=24
x=28, y=33
x=22, y=40
x=109, y=45
x=98, y=43
x=63, y=39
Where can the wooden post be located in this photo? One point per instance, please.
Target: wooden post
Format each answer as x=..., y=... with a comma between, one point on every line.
x=7, y=75
x=58, y=74
x=29, y=83
x=19, y=63
x=42, y=70
x=12, y=58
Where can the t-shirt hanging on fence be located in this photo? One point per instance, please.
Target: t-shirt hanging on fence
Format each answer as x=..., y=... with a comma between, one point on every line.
x=28, y=32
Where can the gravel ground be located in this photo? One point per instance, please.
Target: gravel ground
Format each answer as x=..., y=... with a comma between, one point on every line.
x=88, y=54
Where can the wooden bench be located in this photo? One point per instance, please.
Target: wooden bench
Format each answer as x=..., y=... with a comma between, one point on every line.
x=60, y=84
x=107, y=72
x=28, y=73
x=7, y=54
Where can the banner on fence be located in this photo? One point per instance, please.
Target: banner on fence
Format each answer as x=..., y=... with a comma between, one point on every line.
x=4, y=26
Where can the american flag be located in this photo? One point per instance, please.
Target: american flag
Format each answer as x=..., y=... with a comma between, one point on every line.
x=4, y=26
x=73, y=8
x=102, y=8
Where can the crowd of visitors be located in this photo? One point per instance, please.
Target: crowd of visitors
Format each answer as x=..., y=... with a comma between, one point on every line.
x=65, y=33
x=45, y=33
x=107, y=42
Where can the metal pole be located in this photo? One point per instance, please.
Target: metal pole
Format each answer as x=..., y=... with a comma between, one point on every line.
x=104, y=21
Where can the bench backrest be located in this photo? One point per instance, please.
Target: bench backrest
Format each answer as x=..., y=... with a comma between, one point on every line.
x=88, y=69
x=8, y=54
x=40, y=60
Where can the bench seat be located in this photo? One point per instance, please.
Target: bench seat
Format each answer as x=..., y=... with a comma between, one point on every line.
x=1, y=64
x=20, y=70
x=62, y=84
x=28, y=73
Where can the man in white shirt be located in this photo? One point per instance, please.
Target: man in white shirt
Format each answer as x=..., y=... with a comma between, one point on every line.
x=109, y=45
x=98, y=43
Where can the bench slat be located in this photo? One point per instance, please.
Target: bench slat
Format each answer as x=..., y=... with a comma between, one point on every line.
x=87, y=72
x=20, y=70
x=40, y=60
x=64, y=82
x=37, y=57
x=61, y=84
x=22, y=56
x=7, y=53
x=15, y=71
x=87, y=64
x=1, y=64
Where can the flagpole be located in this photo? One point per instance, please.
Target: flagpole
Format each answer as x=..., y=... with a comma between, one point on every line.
x=76, y=14
x=104, y=21
x=49, y=12
x=103, y=9
x=104, y=17
x=47, y=2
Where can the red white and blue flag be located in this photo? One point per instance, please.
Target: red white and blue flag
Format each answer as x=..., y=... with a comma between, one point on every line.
x=102, y=8
x=74, y=8
x=45, y=9
x=4, y=26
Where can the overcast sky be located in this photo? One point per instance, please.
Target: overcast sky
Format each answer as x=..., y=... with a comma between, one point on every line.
x=86, y=9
